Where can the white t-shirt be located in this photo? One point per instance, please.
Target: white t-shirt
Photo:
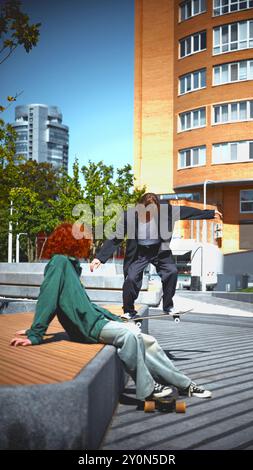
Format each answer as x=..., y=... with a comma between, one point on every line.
x=148, y=233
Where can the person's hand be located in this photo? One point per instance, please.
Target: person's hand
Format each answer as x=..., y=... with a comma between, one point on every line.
x=94, y=264
x=20, y=342
x=21, y=332
x=218, y=215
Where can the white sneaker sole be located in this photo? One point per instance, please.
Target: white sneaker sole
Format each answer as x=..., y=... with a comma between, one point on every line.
x=163, y=394
x=205, y=394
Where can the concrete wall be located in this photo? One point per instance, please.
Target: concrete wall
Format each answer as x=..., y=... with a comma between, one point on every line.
x=239, y=263
x=239, y=296
x=23, y=280
x=68, y=415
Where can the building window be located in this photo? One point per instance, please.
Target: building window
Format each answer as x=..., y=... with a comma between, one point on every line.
x=191, y=8
x=192, y=119
x=233, y=112
x=234, y=36
x=193, y=44
x=233, y=152
x=192, y=81
x=222, y=7
x=246, y=200
x=177, y=196
x=20, y=147
x=233, y=72
x=21, y=136
x=195, y=156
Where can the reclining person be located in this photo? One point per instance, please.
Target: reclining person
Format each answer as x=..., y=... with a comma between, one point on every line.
x=63, y=294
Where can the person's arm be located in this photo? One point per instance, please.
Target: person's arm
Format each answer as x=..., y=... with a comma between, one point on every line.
x=46, y=306
x=187, y=212
x=107, y=250
x=109, y=246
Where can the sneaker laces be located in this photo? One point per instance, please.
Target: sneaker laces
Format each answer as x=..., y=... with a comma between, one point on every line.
x=158, y=388
x=195, y=388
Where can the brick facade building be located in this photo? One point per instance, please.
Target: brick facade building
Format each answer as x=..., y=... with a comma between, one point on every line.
x=194, y=108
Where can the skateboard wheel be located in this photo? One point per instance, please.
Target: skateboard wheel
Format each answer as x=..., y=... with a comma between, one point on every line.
x=149, y=406
x=180, y=407
x=176, y=320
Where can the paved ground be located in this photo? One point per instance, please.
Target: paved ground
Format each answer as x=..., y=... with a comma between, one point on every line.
x=215, y=350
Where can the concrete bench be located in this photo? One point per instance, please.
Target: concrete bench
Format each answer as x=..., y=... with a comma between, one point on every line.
x=58, y=395
x=23, y=280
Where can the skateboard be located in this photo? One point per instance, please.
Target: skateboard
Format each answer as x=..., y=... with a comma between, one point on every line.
x=175, y=316
x=166, y=404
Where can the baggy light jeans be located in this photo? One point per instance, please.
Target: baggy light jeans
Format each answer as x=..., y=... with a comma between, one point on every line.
x=143, y=358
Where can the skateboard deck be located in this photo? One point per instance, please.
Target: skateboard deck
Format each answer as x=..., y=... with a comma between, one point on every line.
x=165, y=405
x=175, y=316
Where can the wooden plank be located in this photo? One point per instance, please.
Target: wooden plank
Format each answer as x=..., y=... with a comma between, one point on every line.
x=55, y=360
x=49, y=362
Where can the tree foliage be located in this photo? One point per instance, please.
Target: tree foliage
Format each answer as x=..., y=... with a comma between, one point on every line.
x=15, y=29
x=117, y=188
x=43, y=197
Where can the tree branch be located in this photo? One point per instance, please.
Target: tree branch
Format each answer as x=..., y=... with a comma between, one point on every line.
x=2, y=49
x=8, y=55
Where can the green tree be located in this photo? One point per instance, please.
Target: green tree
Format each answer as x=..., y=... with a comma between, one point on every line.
x=42, y=178
x=70, y=194
x=30, y=216
x=123, y=190
x=15, y=29
x=33, y=193
x=43, y=199
x=8, y=178
x=99, y=181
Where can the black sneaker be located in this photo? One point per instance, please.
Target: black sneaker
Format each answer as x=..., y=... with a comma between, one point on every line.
x=160, y=391
x=195, y=391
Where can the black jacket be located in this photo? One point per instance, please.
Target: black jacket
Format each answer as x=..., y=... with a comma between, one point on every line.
x=173, y=213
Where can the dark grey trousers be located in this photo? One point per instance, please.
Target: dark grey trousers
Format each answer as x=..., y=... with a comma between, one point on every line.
x=165, y=267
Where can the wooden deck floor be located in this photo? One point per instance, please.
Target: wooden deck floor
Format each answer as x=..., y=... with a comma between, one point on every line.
x=56, y=360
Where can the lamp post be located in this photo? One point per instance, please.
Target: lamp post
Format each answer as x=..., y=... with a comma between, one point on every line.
x=204, y=236
x=17, y=246
x=10, y=235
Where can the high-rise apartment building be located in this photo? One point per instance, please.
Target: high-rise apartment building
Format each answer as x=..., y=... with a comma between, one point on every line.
x=41, y=136
x=194, y=106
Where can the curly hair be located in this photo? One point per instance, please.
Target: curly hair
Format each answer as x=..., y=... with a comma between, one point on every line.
x=68, y=239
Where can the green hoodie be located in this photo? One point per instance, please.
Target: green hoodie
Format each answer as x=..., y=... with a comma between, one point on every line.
x=62, y=293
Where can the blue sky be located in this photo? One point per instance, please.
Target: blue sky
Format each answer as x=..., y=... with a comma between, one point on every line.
x=84, y=64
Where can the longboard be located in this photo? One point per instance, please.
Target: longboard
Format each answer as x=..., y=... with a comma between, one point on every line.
x=166, y=405
x=175, y=316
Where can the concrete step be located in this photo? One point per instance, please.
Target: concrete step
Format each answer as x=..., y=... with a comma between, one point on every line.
x=108, y=268
x=97, y=281
x=149, y=297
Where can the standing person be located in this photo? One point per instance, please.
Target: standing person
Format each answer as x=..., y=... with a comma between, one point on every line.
x=148, y=245
x=63, y=294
